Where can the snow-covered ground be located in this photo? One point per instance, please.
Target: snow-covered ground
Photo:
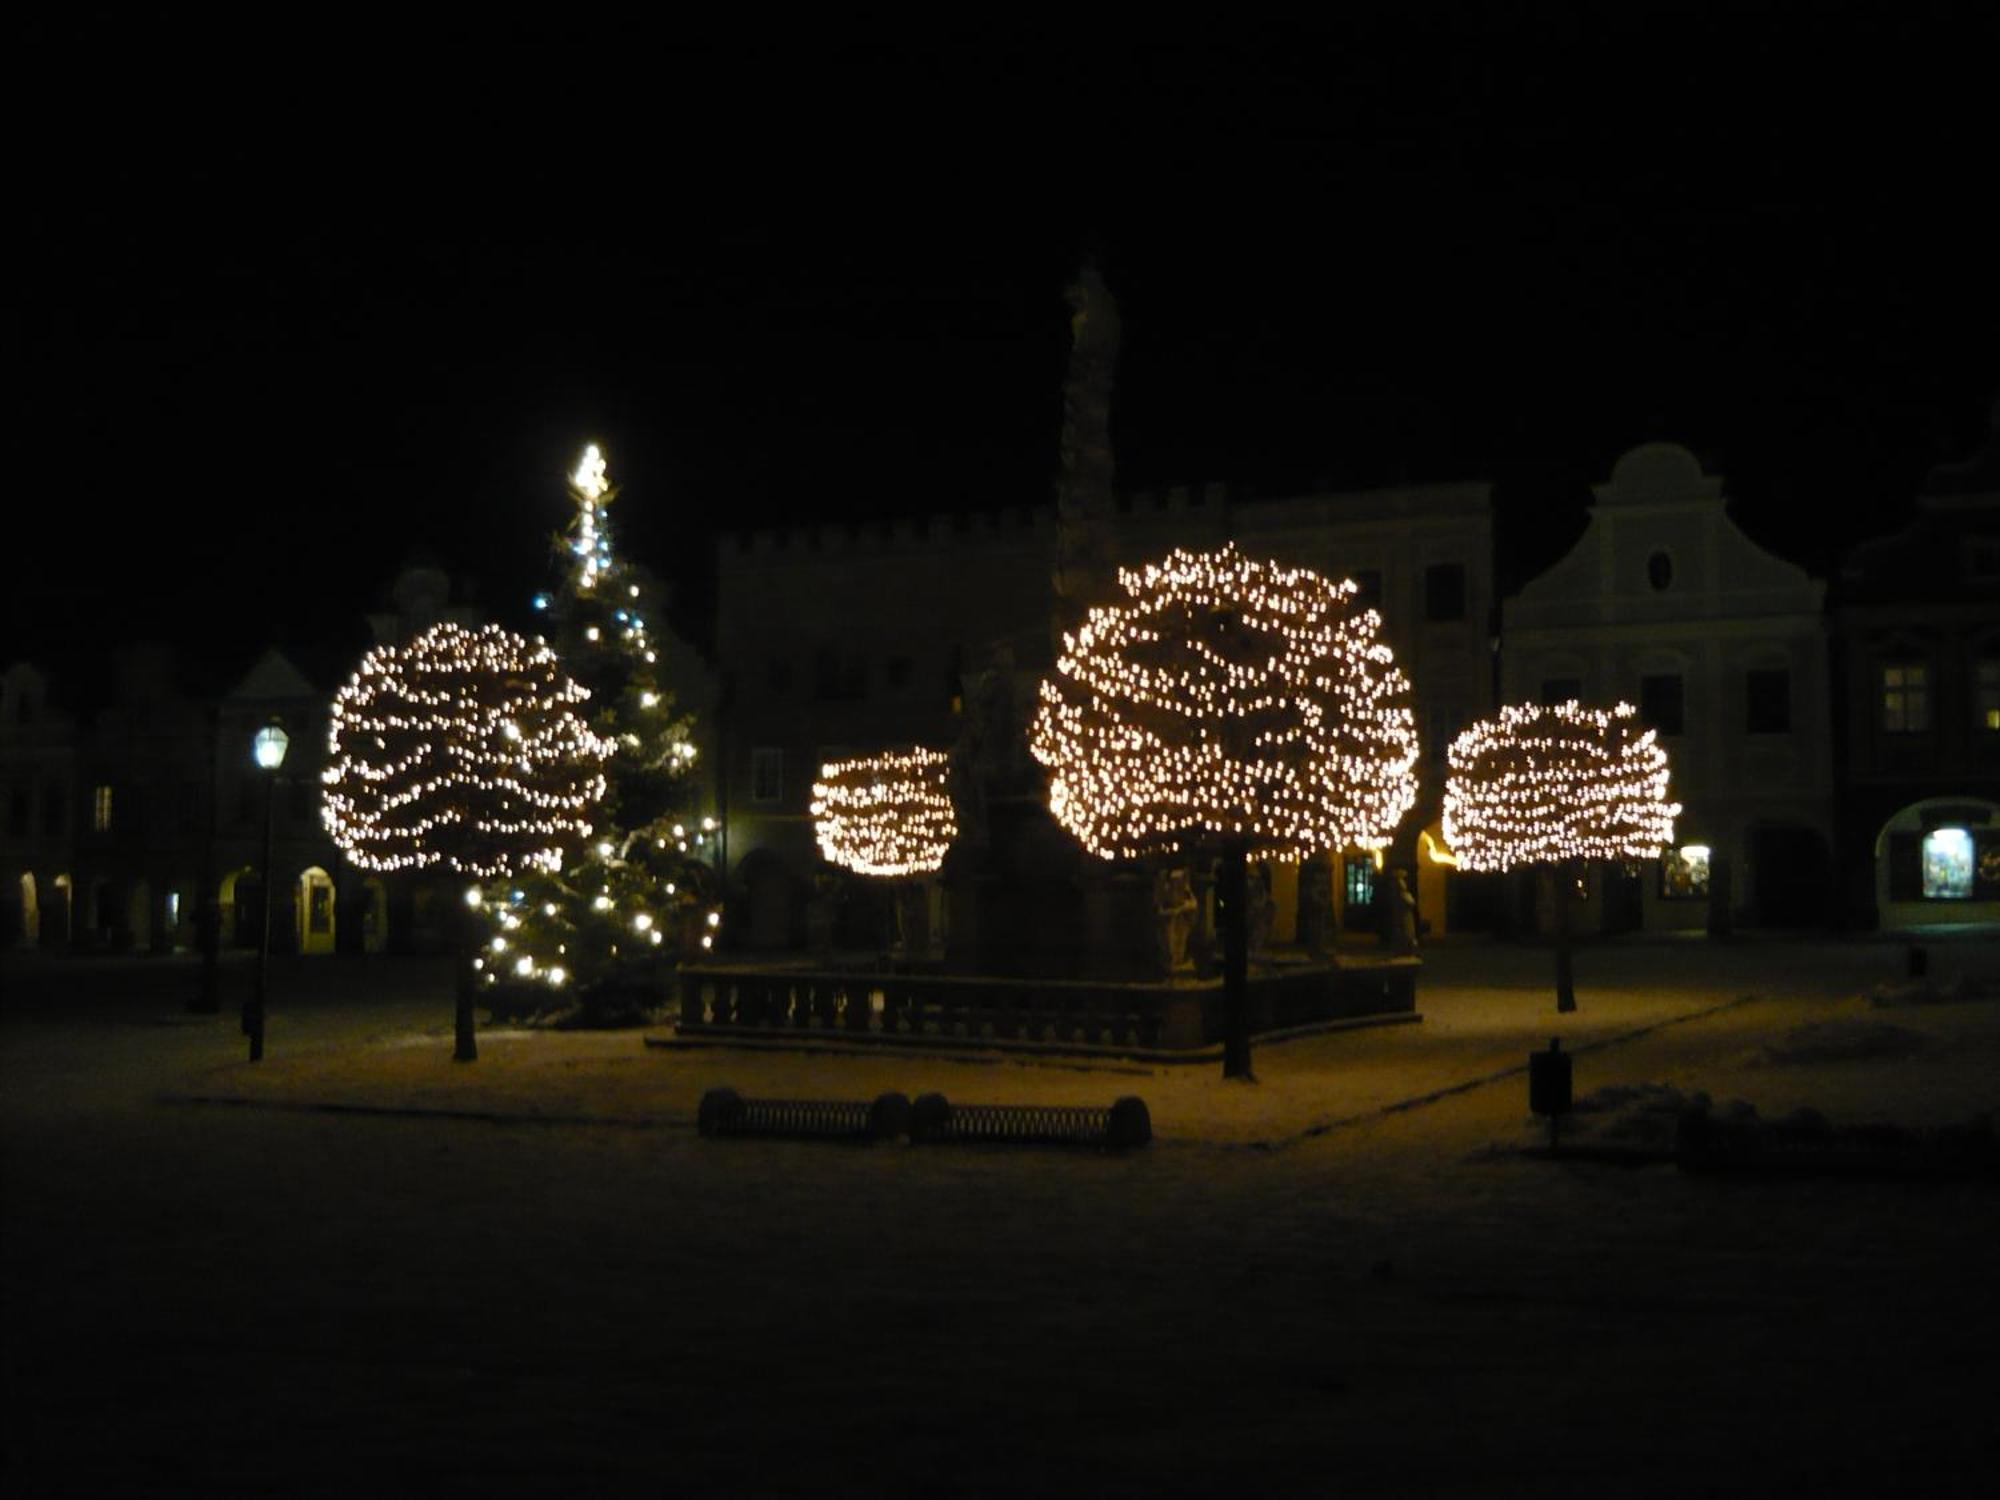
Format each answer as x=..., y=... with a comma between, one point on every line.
x=530, y=1275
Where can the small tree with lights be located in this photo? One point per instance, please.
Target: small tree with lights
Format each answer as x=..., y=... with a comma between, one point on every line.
x=463, y=750
x=599, y=931
x=1232, y=707
x=1557, y=787
x=888, y=816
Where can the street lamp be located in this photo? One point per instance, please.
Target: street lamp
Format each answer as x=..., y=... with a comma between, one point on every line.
x=268, y=750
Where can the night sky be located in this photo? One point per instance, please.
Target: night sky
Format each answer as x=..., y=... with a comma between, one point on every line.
x=297, y=308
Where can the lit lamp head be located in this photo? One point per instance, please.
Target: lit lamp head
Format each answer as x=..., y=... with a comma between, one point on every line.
x=270, y=745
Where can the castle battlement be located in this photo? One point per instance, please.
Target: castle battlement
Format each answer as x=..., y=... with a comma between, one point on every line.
x=943, y=531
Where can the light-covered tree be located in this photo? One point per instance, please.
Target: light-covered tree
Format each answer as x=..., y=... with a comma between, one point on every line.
x=1233, y=707
x=888, y=816
x=463, y=750
x=1557, y=787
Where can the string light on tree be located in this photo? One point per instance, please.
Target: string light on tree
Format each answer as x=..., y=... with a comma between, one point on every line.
x=1557, y=786
x=888, y=815
x=465, y=749
x=1232, y=706
x=1225, y=697
x=1540, y=785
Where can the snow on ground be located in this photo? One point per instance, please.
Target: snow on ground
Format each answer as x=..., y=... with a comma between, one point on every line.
x=1299, y=1288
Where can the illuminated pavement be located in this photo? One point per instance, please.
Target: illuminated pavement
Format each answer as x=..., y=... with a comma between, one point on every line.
x=1291, y=1291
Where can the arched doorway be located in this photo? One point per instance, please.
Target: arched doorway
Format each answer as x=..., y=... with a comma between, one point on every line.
x=374, y=916
x=57, y=914
x=103, y=909
x=242, y=893
x=139, y=916
x=1791, y=873
x=771, y=901
x=314, y=909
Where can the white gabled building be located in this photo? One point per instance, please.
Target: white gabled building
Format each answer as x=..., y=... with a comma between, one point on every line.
x=1664, y=603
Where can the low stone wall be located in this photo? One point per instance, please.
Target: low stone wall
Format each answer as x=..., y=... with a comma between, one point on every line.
x=774, y=1001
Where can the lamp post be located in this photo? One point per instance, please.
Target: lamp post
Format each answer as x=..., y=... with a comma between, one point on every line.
x=268, y=750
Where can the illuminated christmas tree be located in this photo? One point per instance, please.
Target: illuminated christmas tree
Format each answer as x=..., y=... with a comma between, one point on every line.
x=1230, y=706
x=463, y=750
x=600, y=934
x=1557, y=787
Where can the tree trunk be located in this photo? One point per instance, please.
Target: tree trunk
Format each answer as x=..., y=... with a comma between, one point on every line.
x=1232, y=896
x=1566, y=875
x=465, y=1048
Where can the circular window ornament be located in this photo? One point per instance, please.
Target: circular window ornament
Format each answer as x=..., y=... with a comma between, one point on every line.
x=1659, y=570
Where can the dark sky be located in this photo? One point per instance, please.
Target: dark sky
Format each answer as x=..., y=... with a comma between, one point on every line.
x=298, y=306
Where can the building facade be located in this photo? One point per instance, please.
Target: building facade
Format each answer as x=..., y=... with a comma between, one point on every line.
x=1917, y=648
x=39, y=768
x=1665, y=604
x=836, y=640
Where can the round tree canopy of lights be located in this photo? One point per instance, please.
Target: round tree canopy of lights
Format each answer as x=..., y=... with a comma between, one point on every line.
x=1224, y=696
x=887, y=814
x=1540, y=785
x=464, y=749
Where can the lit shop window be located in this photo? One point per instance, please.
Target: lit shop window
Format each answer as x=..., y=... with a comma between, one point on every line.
x=1948, y=865
x=1684, y=871
x=1358, y=876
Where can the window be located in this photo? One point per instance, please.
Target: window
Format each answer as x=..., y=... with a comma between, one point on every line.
x=1367, y=588
x=1684, y=872
x=19, y=810
x=1662, y=702
x=1948, y=865
x=1659, y=571
x=1906, y=698
x=1767, y=707
x=1358, y=880
x=1444, y=591
x=838, y=677
x=1561, y=690
x=53, y=821
x=778, y=675
x=1986, y=696
x=767, y=774
x=896, y=673
x=100, y=810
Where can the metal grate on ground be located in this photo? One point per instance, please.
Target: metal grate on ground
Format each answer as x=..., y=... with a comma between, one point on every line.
x=724, y=1112
x=935, y=1120
x=932, y=1120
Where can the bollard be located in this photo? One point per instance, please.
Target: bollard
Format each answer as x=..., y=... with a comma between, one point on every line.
x=930, y=1117
x=1549, y=1086
x=889, y=1116
x=1130, y=1124
x=720, y=1109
